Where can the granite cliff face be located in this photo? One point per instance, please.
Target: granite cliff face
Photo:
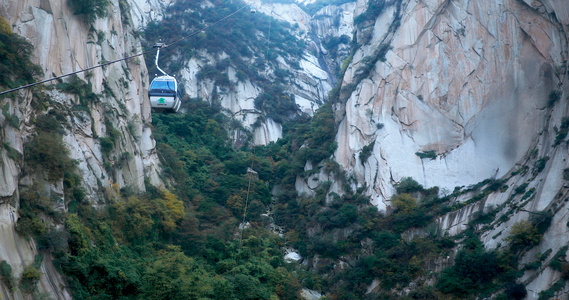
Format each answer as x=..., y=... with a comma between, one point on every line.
x=452, y=93
x=467, y=82
x=64, y=43
x=309, y=81
x=309, y=86
x=465, y=91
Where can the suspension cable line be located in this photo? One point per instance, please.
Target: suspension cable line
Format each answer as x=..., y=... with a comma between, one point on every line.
x=269, y=36
x=242, y=227
x=124, y=58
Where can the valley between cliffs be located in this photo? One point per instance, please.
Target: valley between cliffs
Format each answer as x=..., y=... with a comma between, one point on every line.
x=381, y=125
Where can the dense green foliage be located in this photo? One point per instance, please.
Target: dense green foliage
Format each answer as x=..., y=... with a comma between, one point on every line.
x=330, y=226
x=30, y=277
x=523, y=235
x=6, y=274
x=477, y=271
x=158, y=245
x=16, y=67
x=202, y=164
x=131, y=247
x=47, y=150
x=161, y=246
x=89, y=10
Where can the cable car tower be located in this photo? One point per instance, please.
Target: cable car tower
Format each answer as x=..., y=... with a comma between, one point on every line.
x=164, y=92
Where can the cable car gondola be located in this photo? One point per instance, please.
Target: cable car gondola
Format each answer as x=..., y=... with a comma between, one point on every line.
x=164, y=92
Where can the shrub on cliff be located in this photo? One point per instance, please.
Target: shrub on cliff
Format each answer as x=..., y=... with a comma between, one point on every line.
x=50, y=153
x=477, y=271
x=6, y=274
x=523, y=235
x=16, y=67
x=5, y=27
x=89, y=9
x=30, y=278
x=375, y=7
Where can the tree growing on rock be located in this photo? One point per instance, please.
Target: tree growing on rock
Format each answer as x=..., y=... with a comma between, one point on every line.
x=523, y=235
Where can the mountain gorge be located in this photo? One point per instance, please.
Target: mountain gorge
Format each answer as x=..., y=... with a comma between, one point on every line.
x=379, y=149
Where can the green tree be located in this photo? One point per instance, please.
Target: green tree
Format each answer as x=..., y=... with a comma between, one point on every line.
x=5, y=27
x=30, y=278
x=89, y=9
x=6, y=274
x=133, y=218
x=171, y=211
x=404, y=203
x=248, y=287
x=473, y=272
x=408, y=185
x=16, y=67
x=48, y=152
x=523, y=235
x=175, y=276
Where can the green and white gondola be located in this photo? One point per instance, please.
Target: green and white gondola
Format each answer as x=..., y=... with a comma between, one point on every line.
x=164, y=93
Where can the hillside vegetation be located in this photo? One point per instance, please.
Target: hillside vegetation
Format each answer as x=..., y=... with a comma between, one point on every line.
x=185, y=243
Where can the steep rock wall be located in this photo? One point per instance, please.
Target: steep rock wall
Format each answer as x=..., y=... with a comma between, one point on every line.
x=146, y=11
x=469, y=80
x=310, y=85
x=309, y=82
x=336, y=22
x=472, y=82
x=64, y=43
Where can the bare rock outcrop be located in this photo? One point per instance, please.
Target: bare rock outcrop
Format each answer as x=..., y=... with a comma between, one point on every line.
x=465, y=82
